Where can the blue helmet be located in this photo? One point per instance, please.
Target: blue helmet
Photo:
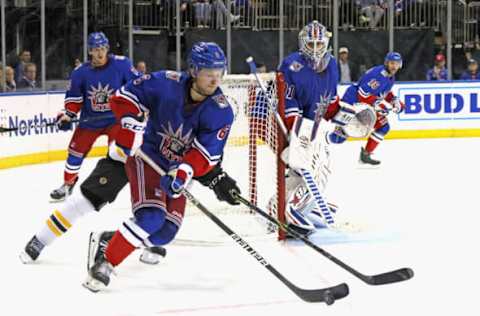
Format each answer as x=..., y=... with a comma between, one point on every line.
x=394, y=56
x=206, y=55
x=97, y=39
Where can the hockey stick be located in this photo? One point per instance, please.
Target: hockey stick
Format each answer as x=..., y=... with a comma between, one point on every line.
x=378, y=279
x=305, y=174
x=327, y=295
x=14, y=129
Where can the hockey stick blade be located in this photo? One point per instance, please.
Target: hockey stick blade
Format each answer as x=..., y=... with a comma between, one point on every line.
x=327, y=295
x=390, y=277
x=378, y=279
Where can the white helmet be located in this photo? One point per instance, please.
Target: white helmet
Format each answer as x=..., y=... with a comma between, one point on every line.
x=313, y=44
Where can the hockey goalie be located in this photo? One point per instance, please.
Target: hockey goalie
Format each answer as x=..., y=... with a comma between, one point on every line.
x=309, y=160
x=314, y=118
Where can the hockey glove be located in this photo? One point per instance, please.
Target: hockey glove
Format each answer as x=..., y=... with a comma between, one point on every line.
x=397, y=105
x=175, y=181
x=64, y=120
x=382, y=107
x=222, y=184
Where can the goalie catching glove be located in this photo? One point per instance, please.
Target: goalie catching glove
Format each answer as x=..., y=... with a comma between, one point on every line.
x=222, y=184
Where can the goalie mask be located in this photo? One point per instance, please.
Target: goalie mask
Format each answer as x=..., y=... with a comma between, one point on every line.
x=362, y=123
x=313, y=45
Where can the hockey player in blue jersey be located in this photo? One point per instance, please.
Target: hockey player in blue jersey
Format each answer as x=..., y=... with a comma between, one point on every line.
x=311, y=77
x=188, y=120
x=374, y=88
x=91, y=86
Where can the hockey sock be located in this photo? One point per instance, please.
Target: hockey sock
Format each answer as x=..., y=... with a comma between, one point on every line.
x=118, y=249
x=372, y=143
x=64, y=217
x=72, y=166
x=69, y=178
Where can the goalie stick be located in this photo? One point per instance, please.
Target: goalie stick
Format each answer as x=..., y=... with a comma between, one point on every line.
x=13, y=129
x=306, y=174
x=327, y=295
x=378, y=279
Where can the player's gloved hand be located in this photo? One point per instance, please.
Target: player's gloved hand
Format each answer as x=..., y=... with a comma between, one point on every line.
x=175, y=181
x=222, y=184
x=381, y=107
x=397, y=105
x=64, y=120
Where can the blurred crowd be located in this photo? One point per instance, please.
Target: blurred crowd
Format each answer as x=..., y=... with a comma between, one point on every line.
x=23, y=75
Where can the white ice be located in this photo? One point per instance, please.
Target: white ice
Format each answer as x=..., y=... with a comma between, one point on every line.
x=419, y=210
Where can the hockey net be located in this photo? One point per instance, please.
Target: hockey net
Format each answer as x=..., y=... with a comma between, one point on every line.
x=251, y=157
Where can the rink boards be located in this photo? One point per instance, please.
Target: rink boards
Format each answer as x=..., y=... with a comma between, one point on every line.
x=447, y=109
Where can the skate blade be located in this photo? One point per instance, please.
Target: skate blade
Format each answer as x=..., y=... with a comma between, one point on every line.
x=57, y=201
x=25, y=258
x=367, y=166
x=93, y=285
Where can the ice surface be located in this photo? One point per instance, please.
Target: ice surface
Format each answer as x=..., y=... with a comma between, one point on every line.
x=419, y=209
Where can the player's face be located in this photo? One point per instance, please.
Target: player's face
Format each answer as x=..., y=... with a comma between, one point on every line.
x=208, y=80
x=393, y=66
x=473, y=67
x=316, y=47
x=99, y=55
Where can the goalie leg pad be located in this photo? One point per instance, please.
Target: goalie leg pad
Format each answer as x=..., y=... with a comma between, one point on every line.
x=104, y=183
x=299, y=201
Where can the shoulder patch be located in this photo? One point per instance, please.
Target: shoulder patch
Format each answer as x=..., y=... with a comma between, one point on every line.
x=141, y=79
x=295, y=66
x=173, y=75
x=374, y=84
x=221, y=100
x=119, y=57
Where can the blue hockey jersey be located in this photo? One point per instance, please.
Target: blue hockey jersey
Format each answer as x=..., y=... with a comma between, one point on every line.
x=308, y=93
x=91, y=87
x=374, y=85
x=176, y=124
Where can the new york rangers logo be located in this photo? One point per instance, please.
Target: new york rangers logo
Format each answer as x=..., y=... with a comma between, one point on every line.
x=99, y=97
x=174, y=142
x=374, y=84
x=141, y=79
x=173, y=75
x=221, y=100
x=296, y=66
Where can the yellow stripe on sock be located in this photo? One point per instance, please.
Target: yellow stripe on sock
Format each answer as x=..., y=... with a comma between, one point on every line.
x=62, y=219
x=54, y=229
